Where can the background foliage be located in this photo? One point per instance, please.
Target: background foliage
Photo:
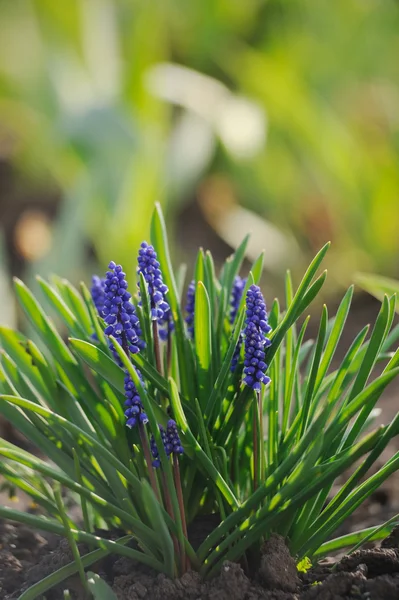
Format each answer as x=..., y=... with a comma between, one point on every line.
x=286, y=110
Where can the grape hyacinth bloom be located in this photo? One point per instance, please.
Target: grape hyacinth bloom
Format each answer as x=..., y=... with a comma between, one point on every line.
x=236, y=294
x=169, y=326
x=122, y=323
x=256, y=329
x=134, y=412
x=190, y=305
x=119, y=313
x=236, y=355
x=154, y=449
x=98, y=293
x=149, y=267
x=171, y=442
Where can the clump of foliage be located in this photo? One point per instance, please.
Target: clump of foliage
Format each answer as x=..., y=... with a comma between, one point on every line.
x=152, y=415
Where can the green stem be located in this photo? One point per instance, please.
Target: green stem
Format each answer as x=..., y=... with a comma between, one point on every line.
x=255, y=443
x=169, y=353
x=261, y=437
x=176, y=471
x=71, y=540
x=157, y=349
x=147, y=456
x=168, y=503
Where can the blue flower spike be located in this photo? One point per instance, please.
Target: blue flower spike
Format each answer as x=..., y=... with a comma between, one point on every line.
x=98, y=292
x=149, y=266
x=171, y=442
x=236, y=295
x=154, y=449
x=134, y=412
x=122, y=322
x=256, y=329
x=190, y=307
x=119, y=312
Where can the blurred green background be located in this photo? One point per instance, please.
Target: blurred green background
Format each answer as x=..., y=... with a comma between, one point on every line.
x=279, y=118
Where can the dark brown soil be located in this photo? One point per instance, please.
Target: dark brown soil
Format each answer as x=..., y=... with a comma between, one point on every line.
x=373, y=574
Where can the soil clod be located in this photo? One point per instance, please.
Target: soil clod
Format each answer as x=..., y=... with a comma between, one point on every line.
x=277, y=569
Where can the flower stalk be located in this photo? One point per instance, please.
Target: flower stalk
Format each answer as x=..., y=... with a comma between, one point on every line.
x=179, y=491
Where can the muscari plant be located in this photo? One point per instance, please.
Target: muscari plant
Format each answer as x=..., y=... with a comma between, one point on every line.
x=161, y=407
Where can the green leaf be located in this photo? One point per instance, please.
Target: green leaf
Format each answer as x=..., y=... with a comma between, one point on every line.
x=146, y=320
x=15, y=346
x=219, y=388
x=160, y=241
x=203, y=345
x=52, y=526
x=100, y=362
x=349, y=504
x=99, y=589
x=55, y=578
x=379, y=286
x=294, y=375
x=206, y=464
x=334, y=336
x=158, y=524
x=66, y=361
x=62, y=310
x=314, y=372
x=80, y=436
x=155, y=416
x=371, y=534
x=106, y=366
x=71, y=540
x=380, y=332
x=233, y=265
x=74, y=300
x=230, y=270
x=304, y=295
x=94, y=317
x=41, y=323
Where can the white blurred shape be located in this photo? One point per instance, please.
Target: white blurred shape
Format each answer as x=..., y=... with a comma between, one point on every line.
x=279, y=248
x=242, y=126
x=240, y=122
x=100, y=42
x=187, y=88
x=75, y=91
x=95, y=82
x=191, y=145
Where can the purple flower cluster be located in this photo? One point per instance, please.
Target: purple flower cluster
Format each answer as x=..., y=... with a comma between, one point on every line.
x=171, y=442
x=154, y=449
x=256, y=329
x=149, y=267
x=119, y=313
x=236, y=294
x=168, y=326
x=190, y=307
x=134, y=412
x=98, y=293
x=236, y=355
x=122, y=322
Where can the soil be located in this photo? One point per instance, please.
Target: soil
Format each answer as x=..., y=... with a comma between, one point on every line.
x=373, y=574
